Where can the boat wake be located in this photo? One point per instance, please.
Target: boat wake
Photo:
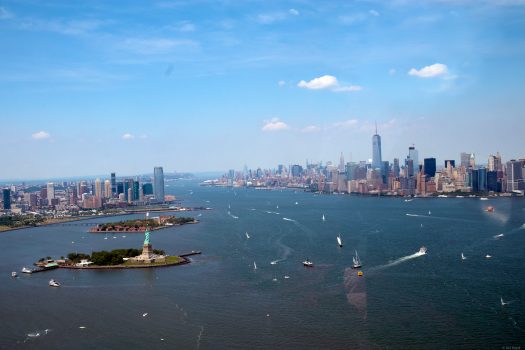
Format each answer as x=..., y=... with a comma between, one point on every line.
x=498, y=236
x=398, y=261
x=287, y=219
x=413, y=215
x=273, y=212
x=233, y=216
x=36, y=334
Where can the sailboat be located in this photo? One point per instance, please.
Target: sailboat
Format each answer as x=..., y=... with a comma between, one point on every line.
x=356, y=261
x=339, y=241
x=463, y=257
x=247, y=235
x=323, y=218
x=429, y=213
x=254, y=266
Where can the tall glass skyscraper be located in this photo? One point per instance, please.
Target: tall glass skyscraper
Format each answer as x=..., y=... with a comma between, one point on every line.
x=413, y=155
x=376, y=151
x=158, y=183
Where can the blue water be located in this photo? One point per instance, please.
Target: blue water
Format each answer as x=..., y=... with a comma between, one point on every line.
x=219, y=301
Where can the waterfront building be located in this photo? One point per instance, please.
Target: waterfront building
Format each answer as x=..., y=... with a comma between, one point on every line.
x=429, y=166
x=158, y=183
x=6, y=197
x=515, y=177
x=113, y=184
x=492, y=181
x=50, y=191
x=107, y=189
x=98, y=188
x=376, y=151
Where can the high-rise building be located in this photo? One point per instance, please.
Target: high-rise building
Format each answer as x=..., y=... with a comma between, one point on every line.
x=464, y=159
x=6, y=197
x=376, y=151
x=108, y=189
x=113, y=184
x=494, y=163
x=50, y=191
x=515, y=175
x=396, y=167
x=429, y=167
x=492, y=181
x=158, y=183
x=98, y=188
x=297, y=170
x=147, y=189
x=452, y=163
x=413, y=155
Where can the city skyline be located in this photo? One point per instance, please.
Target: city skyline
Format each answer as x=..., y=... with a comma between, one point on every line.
x=201, y=87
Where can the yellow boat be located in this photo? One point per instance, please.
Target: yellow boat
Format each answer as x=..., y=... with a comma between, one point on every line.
x=360, y=273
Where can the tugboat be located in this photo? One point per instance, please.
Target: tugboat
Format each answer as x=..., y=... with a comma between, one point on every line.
x=53, y=283
x=308, y=263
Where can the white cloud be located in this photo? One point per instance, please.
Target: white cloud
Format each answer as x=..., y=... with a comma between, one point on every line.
x=293, y=12
x=324, y=82
x=327, y=82
x=281, y=83
x=40, y=135
x=350, y=123
x=435, y=70
x=274, y=125
x=128, y=136
x=373, y=13
x=311, y=128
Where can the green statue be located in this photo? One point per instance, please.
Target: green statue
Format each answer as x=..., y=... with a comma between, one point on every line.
x=146, y=239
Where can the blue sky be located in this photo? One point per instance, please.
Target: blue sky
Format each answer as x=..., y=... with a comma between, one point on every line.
x=100, y=86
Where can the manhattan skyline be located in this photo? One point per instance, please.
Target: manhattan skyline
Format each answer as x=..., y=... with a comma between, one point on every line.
x=211, y=86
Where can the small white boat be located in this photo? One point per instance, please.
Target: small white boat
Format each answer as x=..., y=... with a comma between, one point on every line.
x=488, y=256
x=483, y=199
x=276, y=207
x=323, y=218
x=286, y=277
x=53, y=283
x=356, y=262
x=296, y=203
x=429, y=213
x=339, y=240
x=254, y=266
x=26, y=270
x=247, y=235
x=14, y=274
x=422, y=250
x=463, y=257
x=308, y=263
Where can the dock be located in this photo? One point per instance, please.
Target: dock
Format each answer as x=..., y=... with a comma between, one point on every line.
x=193, y=252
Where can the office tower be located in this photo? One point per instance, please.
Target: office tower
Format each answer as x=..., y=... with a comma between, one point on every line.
x=43, y=193
x=396, y=167
x=494, y=163
x=141, y=193
x=158, y=183
x=472, y=161
x=452, y=163
x=113, y=184
x=514, y=175
x=130, y=195
x=492, y=181
x=413, y=155
x=136, y=191
x=147, y=189
x=98, y=188
x=429, y=166
x=376, y=151
x=297, y=170
x=464, y=159
x=6, y=197
x=108, y=191
x=409, y=167
x=385, y=170
x=341, y=163
x=50, y=191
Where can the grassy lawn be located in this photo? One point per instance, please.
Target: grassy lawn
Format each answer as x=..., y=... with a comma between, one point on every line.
x=169, y=260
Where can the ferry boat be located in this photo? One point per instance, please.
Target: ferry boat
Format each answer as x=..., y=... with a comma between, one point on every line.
x=308, y=263
x=53, y=283
x=26, y=270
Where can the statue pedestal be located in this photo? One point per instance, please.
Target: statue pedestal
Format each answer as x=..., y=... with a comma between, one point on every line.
x=147, y=250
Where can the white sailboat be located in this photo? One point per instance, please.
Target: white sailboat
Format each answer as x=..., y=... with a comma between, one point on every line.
x=254, y=266
x=339, y=240
x=356, y=261
x=463, y=257
x=429, y=213
x=247, y=235
x=323, y=218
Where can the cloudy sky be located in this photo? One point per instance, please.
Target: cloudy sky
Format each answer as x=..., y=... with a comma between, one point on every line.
x=94, y=87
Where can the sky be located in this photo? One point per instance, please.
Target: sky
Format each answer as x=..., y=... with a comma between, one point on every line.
x=93, y=87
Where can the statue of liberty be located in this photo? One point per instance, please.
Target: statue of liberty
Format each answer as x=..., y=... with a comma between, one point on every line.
x=146, y=234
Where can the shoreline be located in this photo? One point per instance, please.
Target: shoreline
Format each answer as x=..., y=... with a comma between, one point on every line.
x=183, y=261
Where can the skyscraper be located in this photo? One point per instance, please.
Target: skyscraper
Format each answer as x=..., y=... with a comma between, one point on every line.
x=465, y=159
x=6, y=196
x=429, y=166
x=50, y=191
x=158, y=183
x=413, y=155
x=108, y=192
x=376, y=151
x=98, y=188
x=113, y=184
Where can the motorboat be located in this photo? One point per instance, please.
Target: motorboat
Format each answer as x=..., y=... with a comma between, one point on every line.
x=463, y=257
x=422, y=250
x=323, y=218
x=488, y=256
x=308, y=263
x=490, y=209
x=26, y=270
x=356, y=262
x=339, y=241
x=53, y=283
x=360, y=273
x=483, y=199
x=14, y=274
